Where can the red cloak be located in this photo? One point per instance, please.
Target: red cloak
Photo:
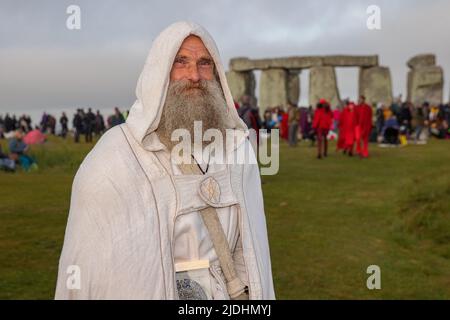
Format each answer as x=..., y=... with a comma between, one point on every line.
x=323, y=119
x=284, y=127
x=364, y=118
x=347, y=126
x=363, y=129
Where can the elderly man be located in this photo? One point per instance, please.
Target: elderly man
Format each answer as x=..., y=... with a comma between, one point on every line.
x=141, y=225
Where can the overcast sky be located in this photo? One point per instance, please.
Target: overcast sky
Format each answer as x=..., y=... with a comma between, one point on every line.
x=45, y=66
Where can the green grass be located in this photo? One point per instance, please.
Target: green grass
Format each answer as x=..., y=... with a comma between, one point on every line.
x=328, y=221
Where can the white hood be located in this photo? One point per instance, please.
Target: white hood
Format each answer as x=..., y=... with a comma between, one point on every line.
x=153, y=82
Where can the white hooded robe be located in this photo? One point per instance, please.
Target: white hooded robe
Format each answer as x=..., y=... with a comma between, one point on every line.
x=125, y=200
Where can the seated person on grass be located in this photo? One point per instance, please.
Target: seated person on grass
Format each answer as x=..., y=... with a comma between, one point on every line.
x=6, y=163
x=18, y=150
x=390, y=130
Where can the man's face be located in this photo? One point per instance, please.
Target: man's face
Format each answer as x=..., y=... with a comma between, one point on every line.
x=194, y=93
x=246, y=100
x=192, y=62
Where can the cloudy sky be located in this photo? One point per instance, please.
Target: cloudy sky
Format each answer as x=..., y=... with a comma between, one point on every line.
x=45, y=66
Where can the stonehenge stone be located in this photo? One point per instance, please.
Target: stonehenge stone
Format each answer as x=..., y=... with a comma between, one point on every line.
x=280, y=81
x=322, y=84
x=350, y=61
x=246, y=64
x=426, y=84
x=422, y=60
x=376, y=85
x=293, y=86
x=273, y=88
x=295, y=62
x=241, y=83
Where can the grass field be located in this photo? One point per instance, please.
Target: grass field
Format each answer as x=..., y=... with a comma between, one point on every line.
x=328, y=221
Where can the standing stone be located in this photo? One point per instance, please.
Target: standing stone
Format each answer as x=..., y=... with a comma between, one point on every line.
x=425, y=80
x=422, y=60
x=376, y=85
x=323, y=85
x=426, y=84
x=293, y=86
x=273, y=88
x=241, y=83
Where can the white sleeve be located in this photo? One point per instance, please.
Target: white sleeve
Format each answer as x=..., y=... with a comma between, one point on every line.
x=255, y=206
x=82, y=271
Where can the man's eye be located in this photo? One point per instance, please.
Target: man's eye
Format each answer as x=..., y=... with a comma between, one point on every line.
x=205, y=63
x=181, y=61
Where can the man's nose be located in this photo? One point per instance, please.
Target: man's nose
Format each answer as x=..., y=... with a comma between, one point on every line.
x=193, y=74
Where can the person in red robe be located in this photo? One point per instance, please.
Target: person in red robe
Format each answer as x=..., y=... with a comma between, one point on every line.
x=363, y=127
x=284, y=126
x=340, y=145
x=347, y=126
x=322, y=122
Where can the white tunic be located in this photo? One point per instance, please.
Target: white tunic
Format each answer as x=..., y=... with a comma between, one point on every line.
x=192, y=240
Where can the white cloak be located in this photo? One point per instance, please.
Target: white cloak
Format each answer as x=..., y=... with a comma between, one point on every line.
x=119, y=240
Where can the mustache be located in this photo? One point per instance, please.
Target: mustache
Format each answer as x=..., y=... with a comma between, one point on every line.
x=179, y=87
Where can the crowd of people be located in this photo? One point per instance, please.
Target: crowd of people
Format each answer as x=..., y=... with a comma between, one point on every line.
x=85, y=123
x=11, y=123
x=353, y=125
x=20, y=133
